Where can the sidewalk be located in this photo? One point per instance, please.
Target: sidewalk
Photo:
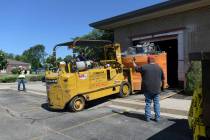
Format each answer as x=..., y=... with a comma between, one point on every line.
x=170, y=107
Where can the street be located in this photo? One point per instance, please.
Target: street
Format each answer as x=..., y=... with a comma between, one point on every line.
x=25, y=116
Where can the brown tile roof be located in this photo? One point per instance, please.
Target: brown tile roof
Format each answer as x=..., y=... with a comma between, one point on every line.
x=15, y=62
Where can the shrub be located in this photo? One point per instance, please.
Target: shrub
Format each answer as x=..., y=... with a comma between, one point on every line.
x=34, y=77
x=15, y=71
x=8, y=79
x=193, y=77
x=13, y=78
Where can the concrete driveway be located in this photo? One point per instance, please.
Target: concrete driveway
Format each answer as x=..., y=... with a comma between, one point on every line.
x=25, y=116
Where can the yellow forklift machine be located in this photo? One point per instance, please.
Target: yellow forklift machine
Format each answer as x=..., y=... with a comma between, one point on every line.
x=199, y=113
x=74, y=83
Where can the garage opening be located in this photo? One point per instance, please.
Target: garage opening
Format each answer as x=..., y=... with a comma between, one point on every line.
x=170, y=46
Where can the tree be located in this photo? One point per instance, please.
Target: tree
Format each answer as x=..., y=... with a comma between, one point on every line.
x=68, y=58
x=193, y=77
x=49, y=59
x=58, y=60
x=3, y=61
x=19, y=58
x=51, y=62
x=9, y=55
x=94, y=52
x=34, y=55
x=97, y=34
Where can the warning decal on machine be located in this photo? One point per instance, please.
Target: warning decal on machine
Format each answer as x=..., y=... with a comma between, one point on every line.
x=83, y=76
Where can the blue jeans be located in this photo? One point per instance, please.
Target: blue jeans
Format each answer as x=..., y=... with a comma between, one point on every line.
x=21, y=81
x=148, y=99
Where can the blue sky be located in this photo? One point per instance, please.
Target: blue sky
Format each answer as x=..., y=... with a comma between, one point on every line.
x=25, y=23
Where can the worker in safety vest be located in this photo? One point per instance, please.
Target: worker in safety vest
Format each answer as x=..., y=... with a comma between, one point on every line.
x=21, y=79
x=152, y=79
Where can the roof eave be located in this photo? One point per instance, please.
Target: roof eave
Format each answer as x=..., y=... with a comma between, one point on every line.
x=118, y=21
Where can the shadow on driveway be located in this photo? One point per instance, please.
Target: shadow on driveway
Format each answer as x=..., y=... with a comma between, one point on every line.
x=130, y=114
x=89, y=104
x=46, y=107
x=178, y=130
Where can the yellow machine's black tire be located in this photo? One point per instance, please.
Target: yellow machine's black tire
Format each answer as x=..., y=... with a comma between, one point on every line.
x=125, y=89
x=77, y=104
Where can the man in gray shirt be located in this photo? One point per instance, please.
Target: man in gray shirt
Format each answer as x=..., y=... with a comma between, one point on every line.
x=152, y=78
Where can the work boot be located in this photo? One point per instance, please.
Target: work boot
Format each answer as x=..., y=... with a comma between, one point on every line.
x=157, y=119
x=147, y=119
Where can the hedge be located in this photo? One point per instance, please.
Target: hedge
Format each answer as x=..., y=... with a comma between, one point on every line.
x=34, y=77
x=8, y=79
x=13, y=78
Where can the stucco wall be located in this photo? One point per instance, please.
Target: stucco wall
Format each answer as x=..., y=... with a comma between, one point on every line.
x=196, y=23
x=196, y=32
